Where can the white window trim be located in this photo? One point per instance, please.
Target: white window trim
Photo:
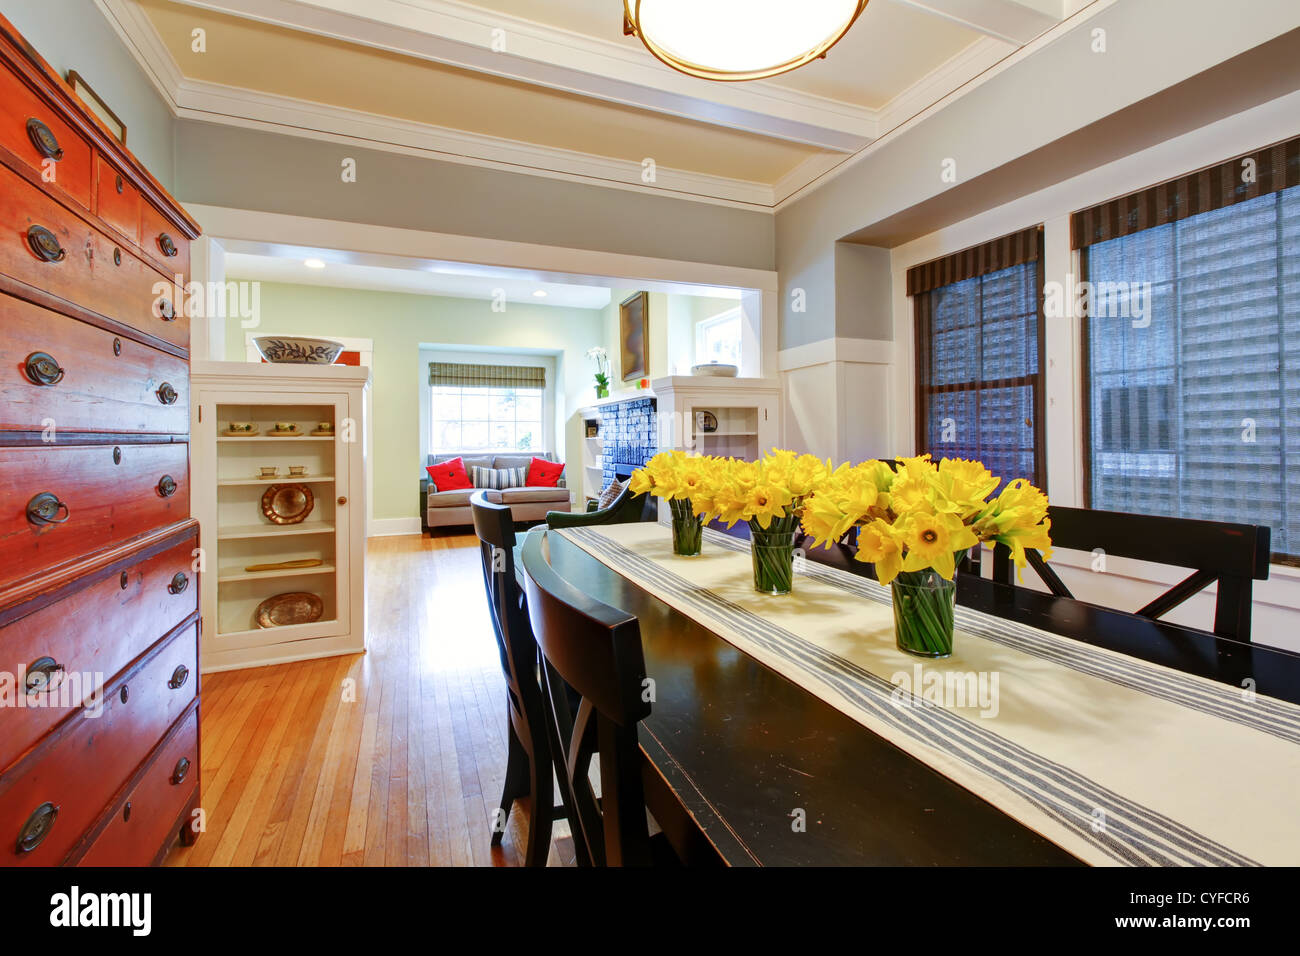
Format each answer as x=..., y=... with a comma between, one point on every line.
x=546, y=429
x=703, y=325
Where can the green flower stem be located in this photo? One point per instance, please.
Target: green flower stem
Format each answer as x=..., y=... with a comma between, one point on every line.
x=688, y=528
x=924, y=613
x=772, y=549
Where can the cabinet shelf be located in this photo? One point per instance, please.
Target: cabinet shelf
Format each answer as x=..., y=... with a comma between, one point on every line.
x=265, y=438
x=283, y=479
x=245, y=531
x=231, y=577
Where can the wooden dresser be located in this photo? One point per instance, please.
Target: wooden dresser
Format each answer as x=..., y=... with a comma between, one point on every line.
x=99, y=560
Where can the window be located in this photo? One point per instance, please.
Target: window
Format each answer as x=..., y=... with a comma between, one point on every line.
x=718, y=339
x=979, y=385
x=1192, y=347
x=486, y=408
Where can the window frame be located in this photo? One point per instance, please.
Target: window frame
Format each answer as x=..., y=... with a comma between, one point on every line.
x=702, y=327
x=921, y=355
x=434, y=449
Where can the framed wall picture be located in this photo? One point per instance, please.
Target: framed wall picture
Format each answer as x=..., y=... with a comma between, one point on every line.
x=634, y=335
x=97, y=106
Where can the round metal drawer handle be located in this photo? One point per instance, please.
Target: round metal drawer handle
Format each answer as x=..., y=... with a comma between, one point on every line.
x=120, y=185
x=167, y=245
x=45, y=244
x=167, y=486
x=44, y=509
x=42, y=674
x=124, y=694
x=117, y=346
x=43, y=369
x=181, y=771
x=43, y=138
x=117, y=257
x=117, y=456
x=37, y=827
x=179, y=677
x=167, y=393
x=164, y=310
x=179, y=583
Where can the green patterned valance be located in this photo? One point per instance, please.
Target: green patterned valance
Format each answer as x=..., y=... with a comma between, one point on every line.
x=486, y=376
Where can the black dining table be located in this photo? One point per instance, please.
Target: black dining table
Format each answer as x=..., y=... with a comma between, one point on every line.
x=776, y=776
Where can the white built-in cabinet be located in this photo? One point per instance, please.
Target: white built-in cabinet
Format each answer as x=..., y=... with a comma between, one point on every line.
x=227, y=500
x=744, y=415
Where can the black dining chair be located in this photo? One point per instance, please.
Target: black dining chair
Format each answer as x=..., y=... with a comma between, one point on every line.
x=593, y=651
x=529, y=764
x=1233, y=555
x=627, y=508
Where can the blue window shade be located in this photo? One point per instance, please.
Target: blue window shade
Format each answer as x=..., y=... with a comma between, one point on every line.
x=1193, y=407
x=979, y=374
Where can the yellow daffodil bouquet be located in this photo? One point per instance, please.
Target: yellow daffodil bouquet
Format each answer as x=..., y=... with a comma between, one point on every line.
x=680, y=479
x=915, y=522
x=771, y=495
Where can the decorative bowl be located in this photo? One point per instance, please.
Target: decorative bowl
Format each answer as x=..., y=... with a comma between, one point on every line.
x=296, y=350
x=716, y=369
x=295, y=607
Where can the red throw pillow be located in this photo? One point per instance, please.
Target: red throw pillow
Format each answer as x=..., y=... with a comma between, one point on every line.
x=449, y=475
x=544, y=474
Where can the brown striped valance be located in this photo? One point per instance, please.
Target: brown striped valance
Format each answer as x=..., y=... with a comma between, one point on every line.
x=1013, y=250
x=1264, y=171
x=487, y=376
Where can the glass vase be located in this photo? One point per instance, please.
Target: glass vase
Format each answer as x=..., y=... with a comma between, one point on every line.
x=688, y=528
x=924, y=606
x=773, y=553
x=602, y=391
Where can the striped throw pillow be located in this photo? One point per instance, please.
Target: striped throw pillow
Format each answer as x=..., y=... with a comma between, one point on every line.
x=609, y=495
x=498, y=478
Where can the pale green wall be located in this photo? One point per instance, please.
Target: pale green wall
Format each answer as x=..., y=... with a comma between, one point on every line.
x=400, y=324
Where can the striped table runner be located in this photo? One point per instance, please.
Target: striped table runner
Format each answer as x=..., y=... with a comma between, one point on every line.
x=1118, y=761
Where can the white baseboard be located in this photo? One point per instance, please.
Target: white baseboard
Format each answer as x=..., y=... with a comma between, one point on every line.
x=386, y=527
x=265, y=656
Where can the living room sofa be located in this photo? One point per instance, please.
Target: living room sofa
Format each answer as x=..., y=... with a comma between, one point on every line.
x=441, y=509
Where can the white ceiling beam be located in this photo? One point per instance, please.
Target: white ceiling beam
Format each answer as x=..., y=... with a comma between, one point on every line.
x=462, y=35
x=1015, y=21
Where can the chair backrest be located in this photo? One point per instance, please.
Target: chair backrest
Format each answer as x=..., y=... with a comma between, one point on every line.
x=495, y=528
x=593, y=651
x=1233, y=555
x=627, y=508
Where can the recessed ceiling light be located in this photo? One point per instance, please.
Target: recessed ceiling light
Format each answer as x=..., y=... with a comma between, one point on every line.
x=540, y=293
x=314, y=263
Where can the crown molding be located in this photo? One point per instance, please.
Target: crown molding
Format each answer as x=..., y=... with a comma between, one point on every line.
x=216, y=103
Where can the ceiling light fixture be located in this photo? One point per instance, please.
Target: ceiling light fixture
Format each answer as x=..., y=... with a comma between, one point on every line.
x=540, y=293
x=739, y=39
x=313, y=263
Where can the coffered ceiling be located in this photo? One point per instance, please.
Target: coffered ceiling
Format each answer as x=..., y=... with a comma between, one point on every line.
x=552, y=87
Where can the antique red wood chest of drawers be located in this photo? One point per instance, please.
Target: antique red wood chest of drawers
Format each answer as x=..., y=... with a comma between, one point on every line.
x=99, y=559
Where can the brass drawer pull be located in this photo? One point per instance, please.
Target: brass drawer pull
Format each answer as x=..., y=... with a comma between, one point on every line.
x=119, y=184
x=182, y=769
x=167, y=393
x=41, y=675
x=167, y=486
x=43, y=138
x=179, y=583
x=165, y=310
x=179, y=677
x=37, y=827
x=45, y=244
x=44, y=509
x=167, y=245
x=42, y=369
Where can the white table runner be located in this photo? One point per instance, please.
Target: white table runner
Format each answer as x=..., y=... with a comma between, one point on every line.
x=1116, y=760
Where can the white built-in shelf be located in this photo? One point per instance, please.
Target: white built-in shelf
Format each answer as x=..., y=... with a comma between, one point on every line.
x=270, y=437
x=728, y=434
x=232, y=576
x=243, y=531
x=281, y=480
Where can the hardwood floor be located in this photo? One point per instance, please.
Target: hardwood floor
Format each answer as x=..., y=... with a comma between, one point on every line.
x=391, y=758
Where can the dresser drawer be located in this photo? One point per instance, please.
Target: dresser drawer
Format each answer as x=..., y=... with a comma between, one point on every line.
x=164, y=244
x=77, y=644
x=141, y=825
x=118, y=202
x=62, y=502
x=47, y=246
x=35, y=134
x=65, y=785
x=53, y=367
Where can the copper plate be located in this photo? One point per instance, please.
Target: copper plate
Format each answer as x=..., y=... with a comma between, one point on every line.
x=288, y=504
x=295, y=607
